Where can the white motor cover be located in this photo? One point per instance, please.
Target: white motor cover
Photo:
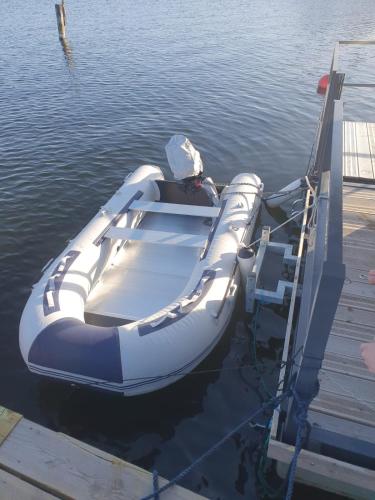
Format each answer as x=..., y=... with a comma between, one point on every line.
x=184, y=160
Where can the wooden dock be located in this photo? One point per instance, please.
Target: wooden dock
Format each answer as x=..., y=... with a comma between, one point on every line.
x=346, y=398
x=39, y=464
x=341, y=454
x=359, y=150
x=336, y=313
x=341, y=458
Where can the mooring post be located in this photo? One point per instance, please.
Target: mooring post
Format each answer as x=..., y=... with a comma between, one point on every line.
x=63, y=9
x=61, y=18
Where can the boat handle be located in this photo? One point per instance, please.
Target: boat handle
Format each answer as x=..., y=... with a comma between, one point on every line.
x=180, y=305
x=46, y=266
x=230, y=292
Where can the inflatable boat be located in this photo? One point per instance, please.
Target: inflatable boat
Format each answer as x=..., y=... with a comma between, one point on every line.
x=145, y=291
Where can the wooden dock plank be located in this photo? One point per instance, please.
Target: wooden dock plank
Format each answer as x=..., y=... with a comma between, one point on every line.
x=371, y=139
x=359, y=203
x=359, y=150
x=347, y=311
x=357, y=184
x=349, y=409
x=358, y=303
x=351, y=366
x=363, y=151
x=13, y=488
x=355, y=232
x=325, y=472
x=70, y=469
x=362, y=333
x=358, y=390
x=359, y=289
x=347, y=388
x=358, y=191
x=358, y=254
x=344, y=347
x=360, y=219
x=342, y=415
x=359, y=276
x=350, y=163
x=337, y=426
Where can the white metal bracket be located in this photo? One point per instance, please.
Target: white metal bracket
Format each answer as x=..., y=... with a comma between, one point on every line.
x=254, y=293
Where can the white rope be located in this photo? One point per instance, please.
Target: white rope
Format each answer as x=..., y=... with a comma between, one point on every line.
x=281, y=225
x=313, y=192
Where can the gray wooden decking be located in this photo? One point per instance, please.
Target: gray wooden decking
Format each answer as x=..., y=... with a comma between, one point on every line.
x=359, y=150
x=39, y=464
x=346, y=400
x=341, y=451
x=337, y=308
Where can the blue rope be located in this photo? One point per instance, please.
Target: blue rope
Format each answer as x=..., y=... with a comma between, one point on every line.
x=155, y=484
x=271, y=404
x=301, y=419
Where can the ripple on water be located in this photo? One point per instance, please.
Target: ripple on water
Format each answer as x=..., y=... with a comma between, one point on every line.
x=238, y=77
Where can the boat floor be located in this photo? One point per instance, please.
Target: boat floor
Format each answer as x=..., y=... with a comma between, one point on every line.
x=144, y=277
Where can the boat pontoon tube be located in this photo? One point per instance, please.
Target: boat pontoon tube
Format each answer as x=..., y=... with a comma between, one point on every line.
x=148, y=343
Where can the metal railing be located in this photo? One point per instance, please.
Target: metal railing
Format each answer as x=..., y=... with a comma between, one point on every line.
x=324, y=273
x=336, y=59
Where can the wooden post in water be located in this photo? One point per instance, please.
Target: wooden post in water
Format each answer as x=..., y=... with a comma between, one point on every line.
x=61, y=18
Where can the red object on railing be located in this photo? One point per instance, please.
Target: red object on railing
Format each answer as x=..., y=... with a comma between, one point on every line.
x=323, y=84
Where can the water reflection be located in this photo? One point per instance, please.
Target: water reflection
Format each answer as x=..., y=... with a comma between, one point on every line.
x=241, y=83
x=68, y=52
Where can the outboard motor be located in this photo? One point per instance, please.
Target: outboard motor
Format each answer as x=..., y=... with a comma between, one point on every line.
x=186, y=165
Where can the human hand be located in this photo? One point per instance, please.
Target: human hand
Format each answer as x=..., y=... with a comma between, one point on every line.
x=368, y=355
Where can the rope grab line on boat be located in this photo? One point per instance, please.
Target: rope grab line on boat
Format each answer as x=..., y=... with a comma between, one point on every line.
x=282, y=224
x=280, y=365
x=302, y=183
x=275, y=194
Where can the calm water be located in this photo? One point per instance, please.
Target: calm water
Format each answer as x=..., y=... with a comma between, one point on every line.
x=239, y=78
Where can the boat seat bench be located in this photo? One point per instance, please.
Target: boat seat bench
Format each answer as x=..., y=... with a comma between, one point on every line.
x=174, y=208
x=158, y=237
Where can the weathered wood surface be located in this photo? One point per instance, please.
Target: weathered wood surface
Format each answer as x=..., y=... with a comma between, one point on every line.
x=347, y=388
x=359, y=150
x=13, y=488
x=61, y=19
x=344, y=409
x=350, y=148
x=324, y=472
x=364, y=333
x=337, y=426
x=63, y=467
x=8, y=420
